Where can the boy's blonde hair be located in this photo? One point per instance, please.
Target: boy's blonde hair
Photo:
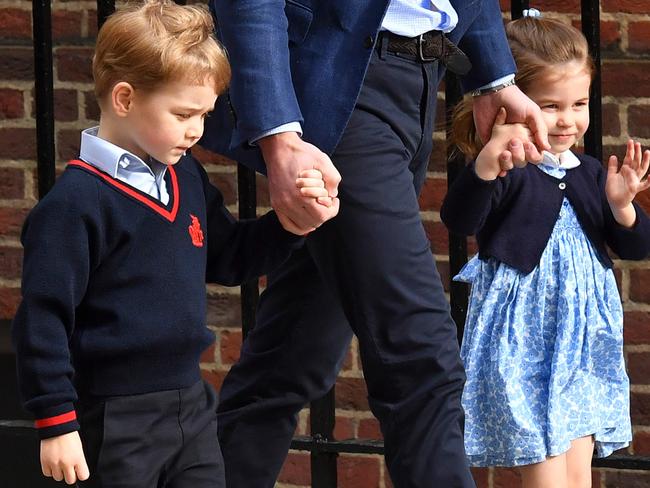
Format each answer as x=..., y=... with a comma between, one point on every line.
x=156, y=42
x=538, y=46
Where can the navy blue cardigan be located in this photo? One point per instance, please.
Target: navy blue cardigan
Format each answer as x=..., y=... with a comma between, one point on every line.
x=513, y=216
x=113, y=286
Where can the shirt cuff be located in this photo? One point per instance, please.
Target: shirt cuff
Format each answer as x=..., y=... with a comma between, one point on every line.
x=289, y=127
x=497, y=82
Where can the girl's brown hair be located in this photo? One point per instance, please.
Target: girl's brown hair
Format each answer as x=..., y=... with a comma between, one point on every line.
x=538, y=45
x=157, y=42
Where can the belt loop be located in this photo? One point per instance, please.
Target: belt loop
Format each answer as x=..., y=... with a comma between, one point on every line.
x=383, y=44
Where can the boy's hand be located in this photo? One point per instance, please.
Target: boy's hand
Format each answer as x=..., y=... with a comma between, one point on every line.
x=623, y=184
x=509, y=146
x=62, y=457
x=311, y=184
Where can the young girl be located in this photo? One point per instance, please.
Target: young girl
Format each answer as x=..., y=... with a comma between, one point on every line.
x=543, y=343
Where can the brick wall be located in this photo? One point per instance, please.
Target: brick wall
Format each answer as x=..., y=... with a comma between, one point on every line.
x=626, y=106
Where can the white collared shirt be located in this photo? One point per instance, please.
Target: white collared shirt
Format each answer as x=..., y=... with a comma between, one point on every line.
x=123, y=165
x=411, y=18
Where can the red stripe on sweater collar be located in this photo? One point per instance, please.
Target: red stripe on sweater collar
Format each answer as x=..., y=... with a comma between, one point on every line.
x=154, y=205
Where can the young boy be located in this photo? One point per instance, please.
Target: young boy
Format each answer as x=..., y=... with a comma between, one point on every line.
x=116, y=257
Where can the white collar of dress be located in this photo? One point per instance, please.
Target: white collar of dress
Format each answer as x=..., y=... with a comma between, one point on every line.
x=564, y=160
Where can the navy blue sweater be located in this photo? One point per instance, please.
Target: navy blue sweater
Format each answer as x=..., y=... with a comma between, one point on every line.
x=513, y=216
x=113, y=286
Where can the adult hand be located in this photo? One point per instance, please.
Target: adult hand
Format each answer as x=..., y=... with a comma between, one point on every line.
x=287, y=156
x=62, y=458
x=520, y=109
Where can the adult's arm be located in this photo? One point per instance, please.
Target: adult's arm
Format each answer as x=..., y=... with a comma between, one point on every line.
x=486, y=45
x=262, y=95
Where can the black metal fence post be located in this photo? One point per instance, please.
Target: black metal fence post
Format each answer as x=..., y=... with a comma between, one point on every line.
x=44, y=94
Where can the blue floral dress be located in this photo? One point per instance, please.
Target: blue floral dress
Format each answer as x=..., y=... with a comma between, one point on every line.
x=544, y=353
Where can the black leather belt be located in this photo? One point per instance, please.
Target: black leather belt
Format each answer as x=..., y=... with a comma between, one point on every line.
x=430, y=46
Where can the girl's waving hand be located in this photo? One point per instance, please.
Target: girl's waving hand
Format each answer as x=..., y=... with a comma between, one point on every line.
x=623, y=184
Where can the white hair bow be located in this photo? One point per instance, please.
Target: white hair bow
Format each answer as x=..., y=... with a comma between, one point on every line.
x=532, y=12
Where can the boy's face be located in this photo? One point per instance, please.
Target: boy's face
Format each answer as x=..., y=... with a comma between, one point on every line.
x=563, y=97
x=167, y=121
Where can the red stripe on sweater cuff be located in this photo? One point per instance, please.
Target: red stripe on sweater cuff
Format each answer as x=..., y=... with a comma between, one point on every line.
x=57, y=420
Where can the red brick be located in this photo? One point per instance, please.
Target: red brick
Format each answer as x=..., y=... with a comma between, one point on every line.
x=296, y=470
x=351, y=394
x=215, y=378
x=438, y=158
x=369, y=429
x=343, y=428
x=92, y=23
x=10, y=262
x=9, y=298
x=629, y=6
x=66, y=24
x=626, y=479
x=207, y=356
x=638, y=365
x=610, y=35
x=67, y=144
x=641, y=443
x=568, y=6
x=349, y=362
x=443, y=271
x=230, y=345
x=358, y=472
x=227, y=184
x=438, y=236
x=506, y=478
x=223, y=310
x=637, y=328
x=433, y=192
x=16, y=63
x=12, y=104
x=11, y=221
x=12, y=183
x=639, y=281
x=626, y=79
x=92, y=108
x=639, y=121
x=17, y=143
x=481, y=477
x=640, y=408
x=639, y=36
x=209, y=157
x=74, y=64
x=15, y=23
x=611, y=120
x=65, y=105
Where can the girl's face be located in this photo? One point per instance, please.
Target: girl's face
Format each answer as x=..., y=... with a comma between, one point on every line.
x=563, y=96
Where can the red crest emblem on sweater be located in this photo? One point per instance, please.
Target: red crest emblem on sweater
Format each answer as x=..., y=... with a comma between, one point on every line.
x=195, y=231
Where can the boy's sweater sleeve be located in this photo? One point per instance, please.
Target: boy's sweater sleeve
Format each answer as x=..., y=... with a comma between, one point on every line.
x=56, y=266
x=239, y=250
x=469, y=201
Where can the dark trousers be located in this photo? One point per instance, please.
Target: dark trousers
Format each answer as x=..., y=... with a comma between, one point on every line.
x=370, y=272
x=162, y=439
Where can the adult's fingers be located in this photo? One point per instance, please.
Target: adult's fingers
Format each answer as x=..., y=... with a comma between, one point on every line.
x=291, y=226
x=537, y=125
x=531, y=152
